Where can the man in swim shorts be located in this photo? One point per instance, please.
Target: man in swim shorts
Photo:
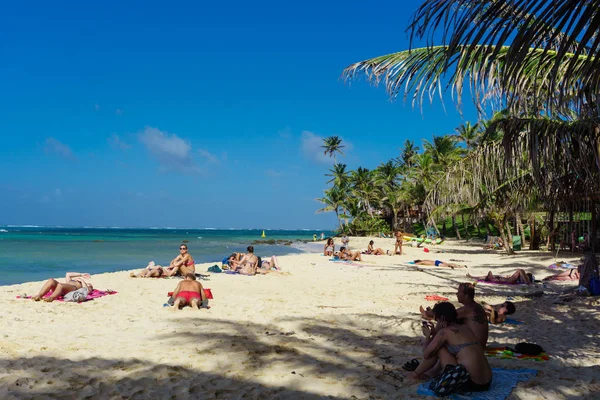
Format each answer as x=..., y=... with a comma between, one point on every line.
x=189, y=292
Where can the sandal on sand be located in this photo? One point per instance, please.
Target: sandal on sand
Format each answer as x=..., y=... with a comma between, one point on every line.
x=411, y=365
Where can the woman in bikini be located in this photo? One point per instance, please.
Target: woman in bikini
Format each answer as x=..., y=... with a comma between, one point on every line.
x=518, y=277
x=572, y=274
x=181, y=265
x=329, y=248
x=349, y=255
x=438, y=263
x=370, y=250
x=73, y=281
x=462, y=358
x=398, y=245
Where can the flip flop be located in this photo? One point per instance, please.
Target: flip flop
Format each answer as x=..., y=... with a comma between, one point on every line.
x=411, y=365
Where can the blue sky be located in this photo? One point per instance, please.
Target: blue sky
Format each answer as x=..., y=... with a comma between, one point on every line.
x=193, y=114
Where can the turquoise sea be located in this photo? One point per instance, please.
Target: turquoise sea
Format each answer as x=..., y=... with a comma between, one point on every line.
x=31, y=253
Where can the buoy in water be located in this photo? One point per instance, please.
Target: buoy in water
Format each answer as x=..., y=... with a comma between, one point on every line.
x=263, y=234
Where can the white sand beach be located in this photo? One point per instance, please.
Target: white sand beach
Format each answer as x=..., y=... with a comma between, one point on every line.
x=318, y=330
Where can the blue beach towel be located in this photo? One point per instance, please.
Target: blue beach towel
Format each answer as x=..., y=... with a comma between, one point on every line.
x=503, y=382
x=513, y=321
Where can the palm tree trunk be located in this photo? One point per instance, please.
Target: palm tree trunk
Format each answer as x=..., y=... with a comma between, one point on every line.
x=456, y=227
x=465, y=227
x=501, y=224
x=521, y=230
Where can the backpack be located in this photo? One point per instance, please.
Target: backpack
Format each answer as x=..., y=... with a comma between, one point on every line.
x=595, y=286
x=530, y=349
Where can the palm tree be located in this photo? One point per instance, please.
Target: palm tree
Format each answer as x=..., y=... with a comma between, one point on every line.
x=538, y=60
x=468, y=134
x=332, y=199
x=339, y=175
x=408, y=153
x=443, y=150
x=332, y=145
x=386, y=175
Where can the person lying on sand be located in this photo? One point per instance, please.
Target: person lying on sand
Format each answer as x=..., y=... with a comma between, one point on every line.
x=73, y=281
x=497, y=314
x=180, y=265
x=329, y=248
x=471, y=314
x=349, y=255
x=572, y=274
x=518, y=277
x=438, y=263
x=374, y=251
x=461, y=356
x=189, y=292
x=269, y=265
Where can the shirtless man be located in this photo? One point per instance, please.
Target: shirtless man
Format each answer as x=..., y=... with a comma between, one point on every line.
x=73, y=281
x=519, y=276
x=398, y=245
x=189, y=292
x=497, y=314
x=471, y=314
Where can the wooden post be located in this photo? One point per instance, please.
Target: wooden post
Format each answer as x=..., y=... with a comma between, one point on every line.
x=593, y=230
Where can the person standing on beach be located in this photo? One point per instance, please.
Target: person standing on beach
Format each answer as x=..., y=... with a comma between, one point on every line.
x=189, y=292
x=322, y=235
x=345, y=242
x=398, y=245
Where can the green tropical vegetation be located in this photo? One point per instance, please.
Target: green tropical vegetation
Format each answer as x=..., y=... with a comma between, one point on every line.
x=532, y=65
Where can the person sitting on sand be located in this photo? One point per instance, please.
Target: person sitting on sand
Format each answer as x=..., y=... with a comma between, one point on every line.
x=349, y=255
x=398, y=245
x=181, y=265
x=345, y=241
x=471, y=314
x=438, y=263
x=462, y=357
x=247, y=265
x=497, y=314
x=518, y=277
x=329, y=248
x=73, y=281
x=189, y=292
x=374, y=251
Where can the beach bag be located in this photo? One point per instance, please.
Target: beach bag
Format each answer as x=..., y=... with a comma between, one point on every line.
x=215, y=268
x=530, y=349
x=77, y=296
x=453, y=377
x=595, y=286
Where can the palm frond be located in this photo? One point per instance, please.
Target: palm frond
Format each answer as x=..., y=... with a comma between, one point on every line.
x=564, y=31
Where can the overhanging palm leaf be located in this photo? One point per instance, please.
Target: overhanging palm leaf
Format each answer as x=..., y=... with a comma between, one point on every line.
x=566, y=31
x=425, y=71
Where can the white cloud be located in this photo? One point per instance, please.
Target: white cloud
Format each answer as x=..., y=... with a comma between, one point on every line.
x=208, y=157
x=54, y=146
x=117, y=143
x=54, y=195
x=285, y=133
x=272, y=173
x=171, y=152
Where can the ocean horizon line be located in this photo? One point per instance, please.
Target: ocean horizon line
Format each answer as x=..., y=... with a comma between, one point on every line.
x=166, y=227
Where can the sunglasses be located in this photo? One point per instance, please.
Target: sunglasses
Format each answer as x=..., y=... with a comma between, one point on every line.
x=183, y=248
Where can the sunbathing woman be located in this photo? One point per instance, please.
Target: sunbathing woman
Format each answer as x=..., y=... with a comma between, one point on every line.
x=329, y=248
x=376, y=252
x=438, y=263
x=348, y=255
x=519, y=277
x=572, y=274
x=462, y=358
x=181, y=265
x=73, y=281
